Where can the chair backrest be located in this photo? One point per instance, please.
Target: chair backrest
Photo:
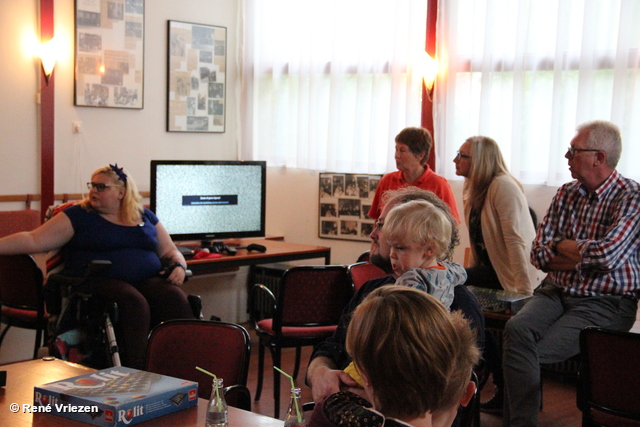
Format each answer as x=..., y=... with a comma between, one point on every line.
x=176, y=347
x=364, y=256
x=16, y=221
x=609, y=380
x=21, y=282
x=362, y=272
x=313, y=296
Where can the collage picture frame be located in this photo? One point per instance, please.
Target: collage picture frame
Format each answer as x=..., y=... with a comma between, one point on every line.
x=109, y=54
x=345, y=200
x=196, y=77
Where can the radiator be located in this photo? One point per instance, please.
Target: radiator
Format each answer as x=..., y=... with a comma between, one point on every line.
x=268, y=275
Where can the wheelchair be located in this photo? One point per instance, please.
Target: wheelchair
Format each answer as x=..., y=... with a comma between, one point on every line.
x=81, y=327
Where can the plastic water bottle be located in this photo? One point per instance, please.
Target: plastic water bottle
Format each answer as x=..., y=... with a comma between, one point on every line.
x=217, y=410
x=291, y=418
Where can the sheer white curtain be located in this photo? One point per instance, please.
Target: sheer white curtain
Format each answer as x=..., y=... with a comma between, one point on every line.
x=326, y=85
x=527, y=72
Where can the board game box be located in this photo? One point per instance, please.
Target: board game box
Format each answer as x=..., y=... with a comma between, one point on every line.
x=116, y=396
x=499, y=301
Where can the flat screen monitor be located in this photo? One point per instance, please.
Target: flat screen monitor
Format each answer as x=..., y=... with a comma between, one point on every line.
x=207, y=200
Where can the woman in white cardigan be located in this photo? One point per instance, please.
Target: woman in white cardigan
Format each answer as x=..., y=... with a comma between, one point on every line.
x=497, y=215
x=501, y=232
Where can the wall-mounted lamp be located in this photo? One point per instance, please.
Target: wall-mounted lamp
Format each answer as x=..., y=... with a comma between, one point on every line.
x=429, y=70
x=48, y=55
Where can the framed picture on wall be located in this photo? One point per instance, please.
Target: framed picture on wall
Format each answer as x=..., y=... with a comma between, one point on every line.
x=345, y=200
x=197, y=66
x=109, y=53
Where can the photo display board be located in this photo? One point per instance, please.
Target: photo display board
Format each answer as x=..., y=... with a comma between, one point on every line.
x=345, y=200
x=109, y=48
x=197, y=68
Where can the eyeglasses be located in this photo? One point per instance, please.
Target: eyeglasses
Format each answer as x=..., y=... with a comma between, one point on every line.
x=572, y=150
x=99, y=187
x=459, y=156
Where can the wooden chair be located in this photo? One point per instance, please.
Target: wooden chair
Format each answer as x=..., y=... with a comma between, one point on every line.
x=609, y=379
x=364, y=256
x=361, y=272
x=176, y=347
x=306, y=312
x=22, y=298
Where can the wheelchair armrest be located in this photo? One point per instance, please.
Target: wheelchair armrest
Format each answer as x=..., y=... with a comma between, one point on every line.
x=58, y=285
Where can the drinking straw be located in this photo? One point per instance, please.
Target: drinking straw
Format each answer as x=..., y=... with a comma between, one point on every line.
x=216, y=381
x=292, y=387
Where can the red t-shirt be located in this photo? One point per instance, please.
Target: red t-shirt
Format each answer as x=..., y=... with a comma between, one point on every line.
x=429, y=180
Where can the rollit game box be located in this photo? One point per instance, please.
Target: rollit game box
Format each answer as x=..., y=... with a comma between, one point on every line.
x=116, y=396
x=499, y=301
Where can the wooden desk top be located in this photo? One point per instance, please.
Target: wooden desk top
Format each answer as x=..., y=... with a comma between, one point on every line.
x=277, y=251
x=22, y=377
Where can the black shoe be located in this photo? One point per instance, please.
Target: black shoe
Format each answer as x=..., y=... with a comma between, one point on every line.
x=494, y=405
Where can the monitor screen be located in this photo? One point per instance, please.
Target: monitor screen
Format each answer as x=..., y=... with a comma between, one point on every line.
x=208, y=200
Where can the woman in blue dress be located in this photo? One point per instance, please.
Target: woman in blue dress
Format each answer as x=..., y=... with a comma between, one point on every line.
x=112, y=224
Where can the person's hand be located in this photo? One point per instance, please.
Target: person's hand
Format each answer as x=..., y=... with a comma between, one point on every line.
x=326, y=381
x=175, y=275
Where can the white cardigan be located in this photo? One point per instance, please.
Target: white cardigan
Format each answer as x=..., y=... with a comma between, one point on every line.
x=508, y=232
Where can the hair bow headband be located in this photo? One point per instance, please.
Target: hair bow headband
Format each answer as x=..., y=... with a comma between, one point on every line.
x=121, y=175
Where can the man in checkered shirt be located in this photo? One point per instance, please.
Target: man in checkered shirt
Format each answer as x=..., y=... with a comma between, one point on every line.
x=588, y=242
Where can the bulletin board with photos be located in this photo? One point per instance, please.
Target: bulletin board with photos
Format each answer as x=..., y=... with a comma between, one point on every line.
x=345, y=200
x=197, y=68
x=109, y=53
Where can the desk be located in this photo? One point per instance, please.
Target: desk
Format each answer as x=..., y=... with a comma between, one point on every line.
x=22, y=377
x=277, y=251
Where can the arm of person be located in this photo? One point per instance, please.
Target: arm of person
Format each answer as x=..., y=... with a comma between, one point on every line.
x=611, y=250
x=543, y=256
x=169, y=254
x=51, y=235
x=508, y=203
x=324, y=378
x=446, y=194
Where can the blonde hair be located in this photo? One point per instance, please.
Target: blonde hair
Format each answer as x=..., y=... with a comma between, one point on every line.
x=419, y=222
x=406, y=194
x=417, y=356
x=131, y=206
x=486, y=164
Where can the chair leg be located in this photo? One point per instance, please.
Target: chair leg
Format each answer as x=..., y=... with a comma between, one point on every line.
x=39, y=336
x=276, y=353
x=296, y=368
x=6, y=329
x=260, y=371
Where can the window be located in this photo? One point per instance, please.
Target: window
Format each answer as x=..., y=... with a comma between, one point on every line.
x=326, y=85
x=527, y=72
